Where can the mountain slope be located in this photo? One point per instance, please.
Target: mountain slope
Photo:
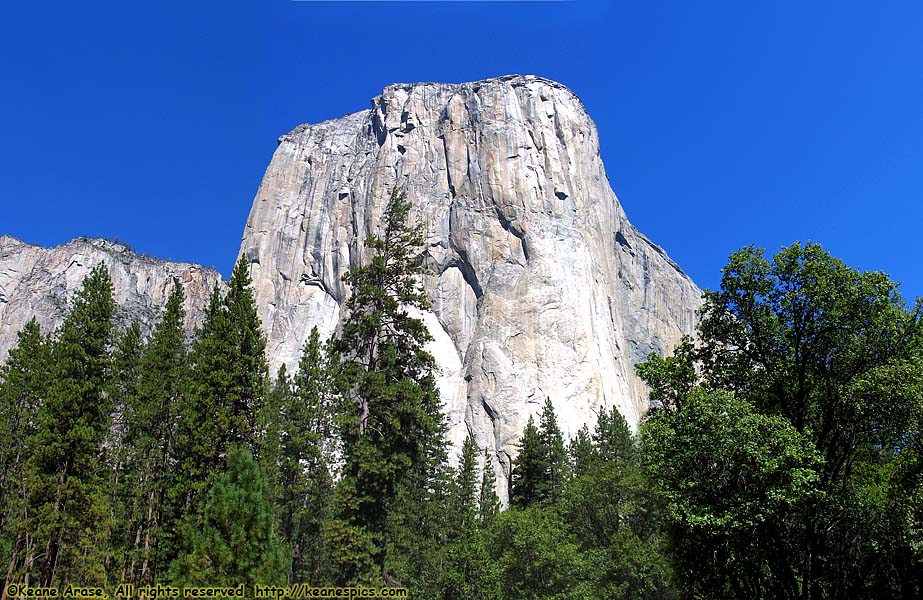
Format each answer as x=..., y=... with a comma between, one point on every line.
x=40, y=282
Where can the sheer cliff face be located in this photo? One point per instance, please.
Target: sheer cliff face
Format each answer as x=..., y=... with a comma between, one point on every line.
x=540, y=286
x=41, y=282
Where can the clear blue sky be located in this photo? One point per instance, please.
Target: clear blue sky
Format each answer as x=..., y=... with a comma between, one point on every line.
x=722, y=123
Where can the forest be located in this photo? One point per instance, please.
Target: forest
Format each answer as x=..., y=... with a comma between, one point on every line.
x=782, y=455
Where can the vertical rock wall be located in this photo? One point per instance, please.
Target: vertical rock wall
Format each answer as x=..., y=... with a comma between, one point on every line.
x=540, y=286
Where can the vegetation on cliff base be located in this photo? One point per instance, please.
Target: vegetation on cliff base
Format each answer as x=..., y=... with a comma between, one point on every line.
x=782, y=457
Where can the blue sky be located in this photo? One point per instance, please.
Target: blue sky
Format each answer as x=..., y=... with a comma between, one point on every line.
x=722, y=124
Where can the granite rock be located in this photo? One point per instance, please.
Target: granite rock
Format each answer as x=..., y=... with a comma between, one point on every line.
x=540, y=286
x=40, y=282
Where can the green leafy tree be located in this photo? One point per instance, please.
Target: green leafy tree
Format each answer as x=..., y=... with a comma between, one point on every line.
x=615, y=516
x=537, y=557
x=390, y=423
x=808, y=339
x=733, y=479
x=671, y=378
x=235, y=541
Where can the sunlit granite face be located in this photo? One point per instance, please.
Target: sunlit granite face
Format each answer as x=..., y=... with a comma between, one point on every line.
x=540, y=286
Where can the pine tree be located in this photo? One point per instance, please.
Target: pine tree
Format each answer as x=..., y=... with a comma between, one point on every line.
x=227, y=385
x=23, y=382
x=466, y=485
x=555, y=455
x=150, y=430
x=306, y=483
x=529, y=468
x=235, y=540
x=613, y=439
x=390, y=423
x=541, y=468
x=68, y=513
x=272, y=420
x=582, y=452
x=248, y=368
x=468, y=571
x=124, y=390
x=488, y=502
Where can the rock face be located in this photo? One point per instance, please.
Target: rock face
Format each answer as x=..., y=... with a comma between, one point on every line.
x=40, y=282
x=540, y=286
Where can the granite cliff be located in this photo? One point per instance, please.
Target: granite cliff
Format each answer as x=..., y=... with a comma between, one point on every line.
x=40, y=282
x=540, y=286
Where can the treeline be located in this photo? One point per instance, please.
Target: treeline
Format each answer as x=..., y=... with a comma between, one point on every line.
x=782, y=458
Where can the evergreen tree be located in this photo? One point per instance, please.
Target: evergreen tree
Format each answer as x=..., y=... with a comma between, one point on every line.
x=541, y=467
x=581, y=451
x=235, y=540
x=488, y=502
x=612, y=439
x=272, y=419
x=124, y=390
x=227, y=385
x=150, y=430
x=23, y=382
x=390, y=424
x=68, y=516
x=465, y=499
x=613, y=514
x=305, y=481
x=529, y=468
x=469, y=569
x=555, y=460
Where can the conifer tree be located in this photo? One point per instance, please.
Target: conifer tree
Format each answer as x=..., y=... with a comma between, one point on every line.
x=124, y=390
x=555, y=462
x=227, y=385
x=541, y=469
x=272, y=418
x=305, y=480
x=235, y=540
x=612, y=439
x=390, y=424
x=529, y=468
x=468, y=573
x=488, y=502
x=68, y=514
x=466, y=485
x=150, y=430
x=23, y=381
x=581, y=451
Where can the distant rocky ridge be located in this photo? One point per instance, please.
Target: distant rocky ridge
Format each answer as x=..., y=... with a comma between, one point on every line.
x=540, y=286
x=40, y=282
